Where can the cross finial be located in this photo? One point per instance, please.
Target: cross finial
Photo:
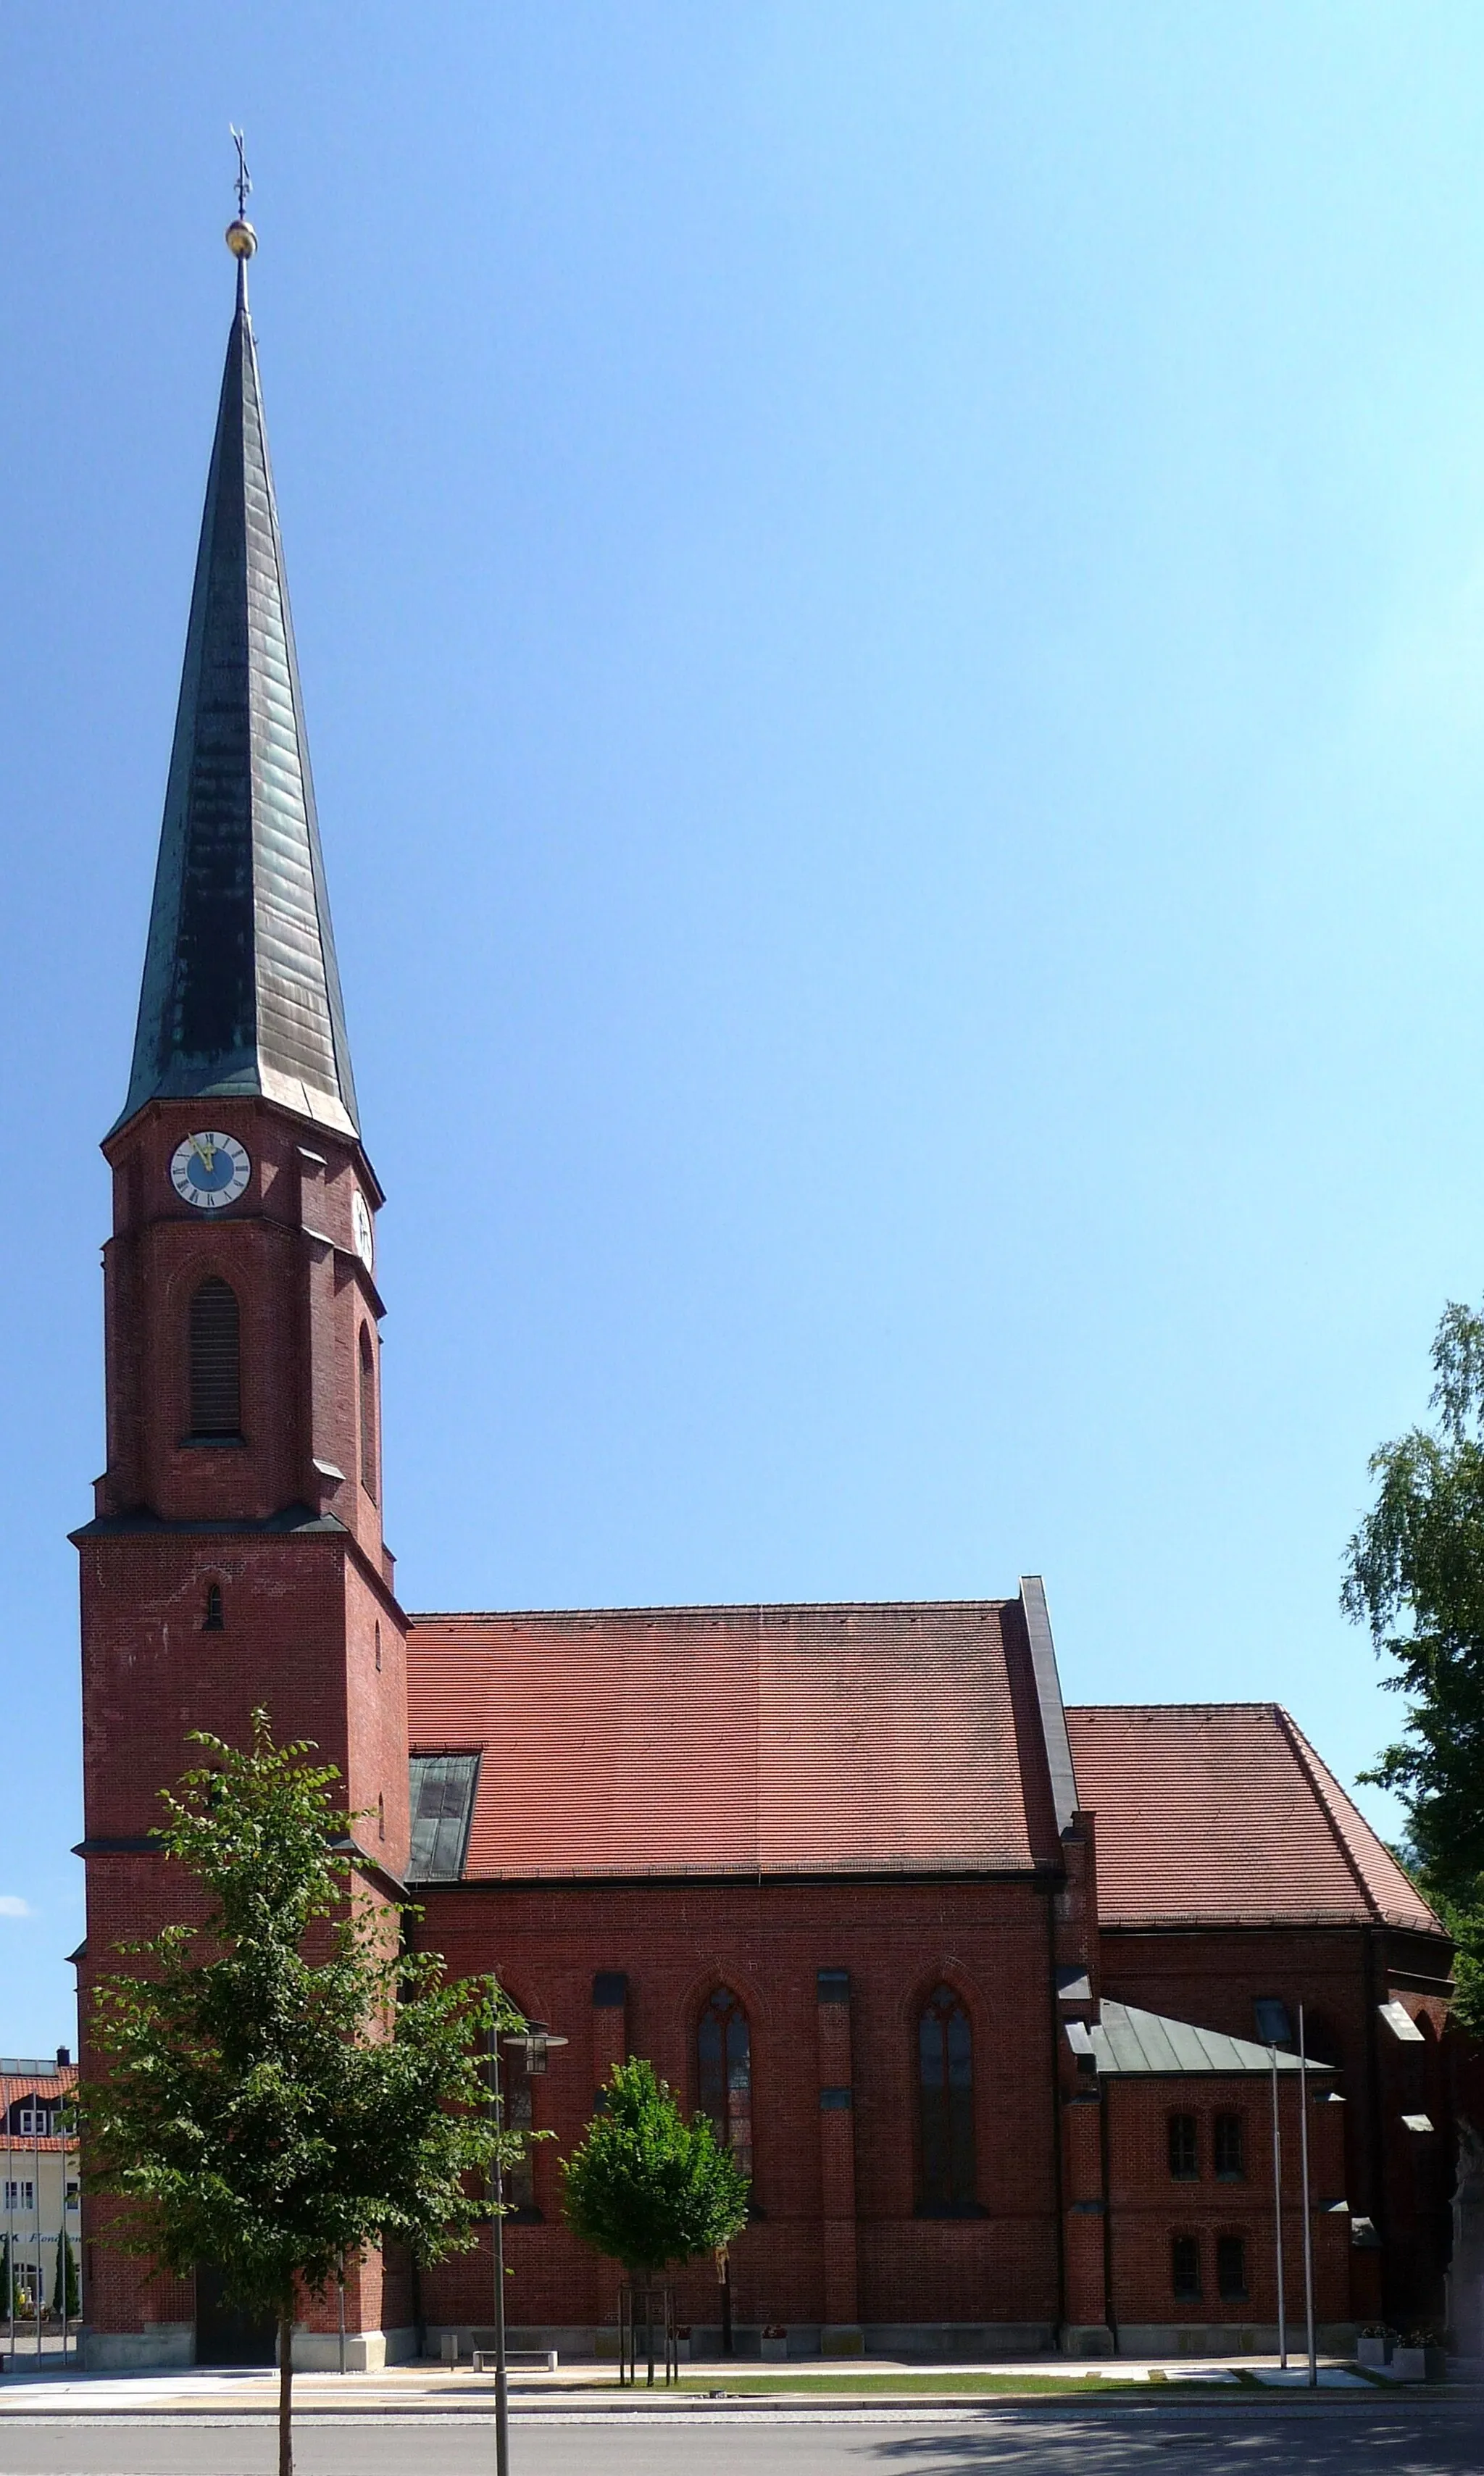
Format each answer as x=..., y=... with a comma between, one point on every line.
x=244, y=179
x=241, y=239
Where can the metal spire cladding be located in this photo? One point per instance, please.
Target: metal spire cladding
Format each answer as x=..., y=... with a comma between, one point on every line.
x=242, y=990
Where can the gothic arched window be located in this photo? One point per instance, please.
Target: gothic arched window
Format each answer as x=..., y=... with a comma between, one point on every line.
x=944, y=2103
x=724, y=2073
x=215, y=1361
x=212, y=1621
x=368, y=1416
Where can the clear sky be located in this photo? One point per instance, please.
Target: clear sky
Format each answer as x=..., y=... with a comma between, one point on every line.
x=891, y=603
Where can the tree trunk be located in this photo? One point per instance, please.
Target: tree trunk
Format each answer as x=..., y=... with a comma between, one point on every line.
x=285, y=2458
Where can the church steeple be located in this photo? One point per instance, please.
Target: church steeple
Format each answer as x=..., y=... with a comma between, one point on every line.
x=241, y=991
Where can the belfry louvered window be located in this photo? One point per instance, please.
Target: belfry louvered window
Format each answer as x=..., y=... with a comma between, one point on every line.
x=215, y=1361
x=367, y=1415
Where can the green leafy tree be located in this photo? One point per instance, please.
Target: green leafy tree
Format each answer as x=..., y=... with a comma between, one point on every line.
x=646, y=2188
x=285, y=2084
x=65, y=2297
x=1415, y=1576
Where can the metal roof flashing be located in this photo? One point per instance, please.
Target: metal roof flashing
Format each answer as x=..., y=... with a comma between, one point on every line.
x=1128, y=2042
x=1054, y=1712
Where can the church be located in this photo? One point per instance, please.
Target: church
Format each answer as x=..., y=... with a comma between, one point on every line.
x=996, y=2001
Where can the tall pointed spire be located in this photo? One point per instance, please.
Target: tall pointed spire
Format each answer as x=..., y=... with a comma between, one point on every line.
x=242, y=990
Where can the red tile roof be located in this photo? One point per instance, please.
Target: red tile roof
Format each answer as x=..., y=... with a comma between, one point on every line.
x=850, y=1739
x=1223, y=1812
x=52, y=2082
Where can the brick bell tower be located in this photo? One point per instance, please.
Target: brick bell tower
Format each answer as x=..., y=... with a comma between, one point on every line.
x=235, y=1556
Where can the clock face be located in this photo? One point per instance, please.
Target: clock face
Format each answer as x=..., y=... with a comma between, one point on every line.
x=361, y=1229
x=209, y=1171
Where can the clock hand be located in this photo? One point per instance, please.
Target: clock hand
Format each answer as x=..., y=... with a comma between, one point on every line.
x=205, y=1155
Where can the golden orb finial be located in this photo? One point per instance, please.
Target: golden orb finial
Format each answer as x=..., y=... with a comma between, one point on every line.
x=241, y=239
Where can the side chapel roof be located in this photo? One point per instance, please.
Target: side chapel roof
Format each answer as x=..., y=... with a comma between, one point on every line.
x=1222, y=1813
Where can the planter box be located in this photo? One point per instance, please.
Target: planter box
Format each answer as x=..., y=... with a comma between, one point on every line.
x=1372, y=2352
x=1418, y=2365
x=774, y=2351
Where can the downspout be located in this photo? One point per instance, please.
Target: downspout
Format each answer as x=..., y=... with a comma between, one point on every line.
x=1057, y=2117
x=1375, y=2144
x=1107, y=2215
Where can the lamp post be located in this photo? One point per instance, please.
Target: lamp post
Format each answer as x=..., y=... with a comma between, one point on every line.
x=537, y=2041
x=1277, y=2213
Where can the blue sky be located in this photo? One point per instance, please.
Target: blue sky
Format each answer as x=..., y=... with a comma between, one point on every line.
x=891, y=603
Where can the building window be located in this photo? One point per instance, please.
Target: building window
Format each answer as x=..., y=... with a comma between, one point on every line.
x=440, y=1790
x=724, y=2073
x=944, y=2102
x=212, y=1621
x=1185, y=2269
x=1231, y=2269
x=20, y=2196
x=380, y=1815
x=1226, y=2145
x=368, y=1416
x=1184, y=2155
x=36, y=2119
x=379, y=1646
x=1274, y=2026
x=215, y=1361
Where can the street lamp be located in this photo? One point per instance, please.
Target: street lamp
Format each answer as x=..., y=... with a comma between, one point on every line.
x=536, y=2041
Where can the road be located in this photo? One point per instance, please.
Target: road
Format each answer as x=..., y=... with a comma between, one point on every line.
x=1418, y=2439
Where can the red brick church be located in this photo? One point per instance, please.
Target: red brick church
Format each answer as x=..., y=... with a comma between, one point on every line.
x=994, y=2000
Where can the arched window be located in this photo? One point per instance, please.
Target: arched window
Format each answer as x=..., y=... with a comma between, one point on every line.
x=215, y=1361
x=368, y=1416
x=380, y=1815
x=212, y=1621
x=379, y=1646
x=724, y=2073
x=945, y=2104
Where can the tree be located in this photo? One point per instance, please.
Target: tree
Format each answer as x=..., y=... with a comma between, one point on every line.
x=1415, y=1575
x=286, y=2086
x=646, y=2187
x=67, y=2300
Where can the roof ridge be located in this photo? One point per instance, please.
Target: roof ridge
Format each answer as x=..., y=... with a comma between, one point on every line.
x=1268, y=1706
x=1322, y=1780
x=697, y=1608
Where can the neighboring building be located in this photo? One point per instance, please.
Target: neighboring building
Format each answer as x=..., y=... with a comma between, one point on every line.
x=992, y=1998
x=39, y=2172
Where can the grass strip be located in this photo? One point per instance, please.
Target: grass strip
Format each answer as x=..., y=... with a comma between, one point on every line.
x=908, y=2384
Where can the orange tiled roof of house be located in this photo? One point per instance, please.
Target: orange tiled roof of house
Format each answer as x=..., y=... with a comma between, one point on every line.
x=845, y=1739
x=1224, y=1811
x=21, y=2079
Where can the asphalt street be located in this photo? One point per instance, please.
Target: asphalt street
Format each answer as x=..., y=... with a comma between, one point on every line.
x=1418, y=2439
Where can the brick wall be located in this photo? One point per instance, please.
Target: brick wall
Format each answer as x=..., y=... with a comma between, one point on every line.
x=674, y=1943
x=1401, y=2180
x=1149, y=2206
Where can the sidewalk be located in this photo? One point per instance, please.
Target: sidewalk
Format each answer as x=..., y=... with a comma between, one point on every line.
x=426, y=2391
